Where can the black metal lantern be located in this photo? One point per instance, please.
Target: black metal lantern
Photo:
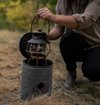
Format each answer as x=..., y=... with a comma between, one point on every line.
x=38, y=47
x=35, y=46
x=36, y=68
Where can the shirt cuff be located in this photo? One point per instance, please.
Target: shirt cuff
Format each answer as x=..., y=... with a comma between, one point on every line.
x=84, y=20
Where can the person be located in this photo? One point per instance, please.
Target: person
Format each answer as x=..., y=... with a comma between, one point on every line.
x=77, y=22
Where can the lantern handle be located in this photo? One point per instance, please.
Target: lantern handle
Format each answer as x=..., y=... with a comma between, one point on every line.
x=36, y=17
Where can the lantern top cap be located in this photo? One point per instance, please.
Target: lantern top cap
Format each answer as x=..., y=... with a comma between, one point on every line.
x=39, y=37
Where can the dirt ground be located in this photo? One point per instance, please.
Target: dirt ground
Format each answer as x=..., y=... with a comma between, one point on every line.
x=84, y=93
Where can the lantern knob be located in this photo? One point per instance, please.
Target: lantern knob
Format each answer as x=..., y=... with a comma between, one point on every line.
x=39, y=30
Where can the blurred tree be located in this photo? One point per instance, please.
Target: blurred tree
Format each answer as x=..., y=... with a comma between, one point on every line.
x=17, y=14
x=19, y=17
x=23, y=1
x=49, y=3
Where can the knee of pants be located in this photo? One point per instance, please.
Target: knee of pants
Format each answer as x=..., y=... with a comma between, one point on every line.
x=91, y=72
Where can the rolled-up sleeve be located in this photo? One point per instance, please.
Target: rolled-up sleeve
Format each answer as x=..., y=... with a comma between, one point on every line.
x=90, y=15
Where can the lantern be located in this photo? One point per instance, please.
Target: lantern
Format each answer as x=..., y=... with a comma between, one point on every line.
x=36, y=68
x=38, y=48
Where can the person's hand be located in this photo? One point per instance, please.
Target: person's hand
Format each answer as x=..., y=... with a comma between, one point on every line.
x=46, y=14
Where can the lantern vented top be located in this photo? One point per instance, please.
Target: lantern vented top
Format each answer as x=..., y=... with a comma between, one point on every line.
x=39, y=37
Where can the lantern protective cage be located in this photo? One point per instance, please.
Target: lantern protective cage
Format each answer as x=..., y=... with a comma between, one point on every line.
x=38, y=50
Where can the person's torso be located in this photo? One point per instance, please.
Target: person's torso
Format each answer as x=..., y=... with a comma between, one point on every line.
x=91, y=34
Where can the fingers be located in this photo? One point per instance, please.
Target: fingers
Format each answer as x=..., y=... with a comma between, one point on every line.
x=43, y=13
x=46, y=14
x=43, y=9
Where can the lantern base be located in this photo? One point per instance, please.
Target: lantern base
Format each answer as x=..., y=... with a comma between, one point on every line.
x=36, y=80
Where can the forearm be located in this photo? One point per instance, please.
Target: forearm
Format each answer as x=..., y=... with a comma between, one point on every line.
x=66, y=21
x=55, y=33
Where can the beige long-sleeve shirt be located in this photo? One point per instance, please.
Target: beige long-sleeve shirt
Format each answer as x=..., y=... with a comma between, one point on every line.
x=88, y=18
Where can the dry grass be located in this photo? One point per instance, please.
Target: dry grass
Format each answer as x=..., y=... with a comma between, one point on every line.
x=85, y=93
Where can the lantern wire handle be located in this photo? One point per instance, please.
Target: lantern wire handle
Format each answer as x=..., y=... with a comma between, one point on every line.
x=48, y=26
x=37, y=17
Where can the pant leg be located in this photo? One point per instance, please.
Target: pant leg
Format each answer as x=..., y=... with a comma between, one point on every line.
x=71, y=48
x=91, y=64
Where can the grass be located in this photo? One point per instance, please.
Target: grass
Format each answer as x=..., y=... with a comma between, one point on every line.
x=84, y=93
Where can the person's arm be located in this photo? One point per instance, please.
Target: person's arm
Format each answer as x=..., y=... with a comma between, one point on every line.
x=58, y=30
x=80, y=21
x=55, y=33
x=66, y=21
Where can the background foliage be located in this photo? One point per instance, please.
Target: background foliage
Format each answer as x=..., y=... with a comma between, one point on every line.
x=17, y=14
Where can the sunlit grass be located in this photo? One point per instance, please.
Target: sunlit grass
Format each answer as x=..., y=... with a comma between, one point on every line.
x=9, y=36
